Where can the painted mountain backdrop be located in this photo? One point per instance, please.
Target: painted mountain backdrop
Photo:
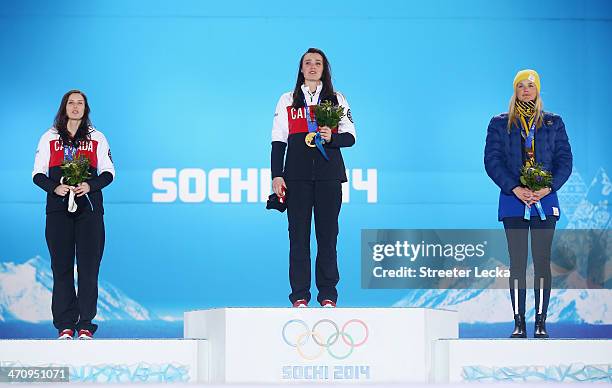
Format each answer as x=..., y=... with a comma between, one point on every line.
x=25, y=295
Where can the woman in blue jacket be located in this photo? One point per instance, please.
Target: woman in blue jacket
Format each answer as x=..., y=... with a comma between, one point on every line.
x=523, y=136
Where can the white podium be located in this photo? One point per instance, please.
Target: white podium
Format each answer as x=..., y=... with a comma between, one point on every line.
x=519, y=360
x=113, y=361
x=352, y=345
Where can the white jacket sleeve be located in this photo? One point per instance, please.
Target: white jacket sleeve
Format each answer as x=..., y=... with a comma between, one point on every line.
x=346, y=123
x=43, y=153
x=280, y=124
x=105, y=161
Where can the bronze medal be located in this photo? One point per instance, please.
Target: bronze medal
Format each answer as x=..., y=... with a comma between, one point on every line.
x=309, y=139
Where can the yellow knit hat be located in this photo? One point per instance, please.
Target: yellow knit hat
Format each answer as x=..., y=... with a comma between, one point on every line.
x=527, y=74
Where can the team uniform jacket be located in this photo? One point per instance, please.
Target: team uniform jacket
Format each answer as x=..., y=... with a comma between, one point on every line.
x=503, y=161
x=289, y=131
x=47, y=172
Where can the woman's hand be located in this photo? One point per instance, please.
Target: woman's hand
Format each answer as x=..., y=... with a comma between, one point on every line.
x=537, y=195
x=81, y=189
x=62, y=190
x=524, y=194
x=278, y=186
x=326, y=133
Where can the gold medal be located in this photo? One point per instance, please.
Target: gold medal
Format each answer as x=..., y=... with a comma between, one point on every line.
x=309, y=139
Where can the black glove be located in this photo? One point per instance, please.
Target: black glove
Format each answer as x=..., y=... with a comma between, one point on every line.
x=274, y=202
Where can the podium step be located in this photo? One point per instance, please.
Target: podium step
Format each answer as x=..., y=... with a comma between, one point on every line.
x=349, y=345
x=110, y=361
x=519, y=360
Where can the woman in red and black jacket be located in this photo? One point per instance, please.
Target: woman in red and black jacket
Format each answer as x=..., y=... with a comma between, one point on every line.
x=311, y=176
x=77, y=232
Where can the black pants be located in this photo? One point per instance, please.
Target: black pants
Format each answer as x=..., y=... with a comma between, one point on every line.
x=80, y=234
x=326, y=199
x=517, y=234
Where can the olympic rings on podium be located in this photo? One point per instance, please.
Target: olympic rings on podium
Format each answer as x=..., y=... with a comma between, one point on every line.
x=306, y=334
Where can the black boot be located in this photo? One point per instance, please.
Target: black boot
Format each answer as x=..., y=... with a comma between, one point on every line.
x=520, y=330
x=540, y=326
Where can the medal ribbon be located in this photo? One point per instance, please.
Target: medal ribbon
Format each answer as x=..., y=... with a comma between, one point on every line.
x=69, y=152
x=528, y=136
x=313, y=127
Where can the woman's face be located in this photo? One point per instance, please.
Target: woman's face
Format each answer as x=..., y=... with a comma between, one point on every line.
x=75, y=107
x=312, y=67
x=526, y=91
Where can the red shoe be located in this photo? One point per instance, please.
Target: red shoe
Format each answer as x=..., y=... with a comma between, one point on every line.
x=328, y=303
x=300, y=303
x=66, y=334
x=85, y=334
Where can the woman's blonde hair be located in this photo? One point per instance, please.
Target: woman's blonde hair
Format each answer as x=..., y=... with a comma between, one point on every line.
x=513, y=115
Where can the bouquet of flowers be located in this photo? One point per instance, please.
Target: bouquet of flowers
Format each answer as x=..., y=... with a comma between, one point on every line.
x=74, y=171
x=535, y=178
x=328, y=115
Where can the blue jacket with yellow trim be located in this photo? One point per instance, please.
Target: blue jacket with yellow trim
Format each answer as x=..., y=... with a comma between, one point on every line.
x=503, y=161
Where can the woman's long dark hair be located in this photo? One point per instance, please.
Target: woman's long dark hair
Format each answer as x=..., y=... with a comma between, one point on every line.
x=61, y=121
x=327, y=93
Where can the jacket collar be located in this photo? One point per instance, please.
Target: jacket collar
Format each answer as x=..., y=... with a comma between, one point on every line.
x=312, y=98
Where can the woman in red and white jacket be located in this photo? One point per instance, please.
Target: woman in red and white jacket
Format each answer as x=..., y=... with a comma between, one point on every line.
x=310, y=180
x=77, y=233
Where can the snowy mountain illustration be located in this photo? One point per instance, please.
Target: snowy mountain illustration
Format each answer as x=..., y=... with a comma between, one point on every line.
x=489, y=306
x=586, y=207
x=25, y=295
